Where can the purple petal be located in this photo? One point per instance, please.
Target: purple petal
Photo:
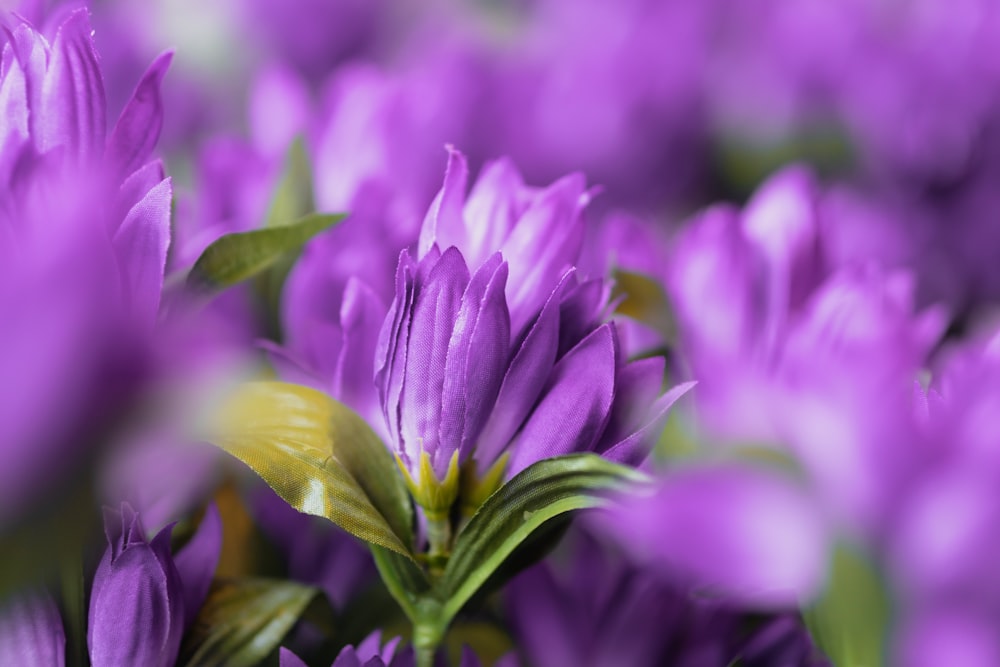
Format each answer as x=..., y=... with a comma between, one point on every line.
x=135, y=188
x=444, y=224
x=492, y=209
x=391, y=350
x=31, y=632
x=138, y=128
x=477, y=357
x=544, y=244
x=72, y=112
x=141, y=246
x=633, y=448
x=523, y=382
x=948, y=637
x=197, y=561
x=279, y=109
x=288, y=659
x=580, y=311
x=745, y=532
x=781, y=220
x=136, y=611
x=348, y=657
x=575, y=404
x=434, y=314
x=361, y=315
x=714, y=285
x=25, y=59
x=292, y=369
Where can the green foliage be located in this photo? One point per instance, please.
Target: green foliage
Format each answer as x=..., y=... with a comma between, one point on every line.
x=233, y=258
x=243, y=621
x=850, y=621
x=321, y=458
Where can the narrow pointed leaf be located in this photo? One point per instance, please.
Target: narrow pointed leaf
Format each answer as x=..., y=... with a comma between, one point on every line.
x=243, y=621
x=292, y=199
x=406, y=581
x=850, y=620
x=321, y=458
x=538, y=494
x=293, y=196
x=236, y=257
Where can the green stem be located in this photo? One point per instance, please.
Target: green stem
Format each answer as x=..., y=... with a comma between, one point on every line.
x=425, y=656
x=439, y=541
x=428, y=632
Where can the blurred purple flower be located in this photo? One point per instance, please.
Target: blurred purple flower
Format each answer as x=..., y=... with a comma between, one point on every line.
x=752, y=535
x=85, y=223
x=790, y=353
x=942, y=546
x=31, y=631
x=588, y=606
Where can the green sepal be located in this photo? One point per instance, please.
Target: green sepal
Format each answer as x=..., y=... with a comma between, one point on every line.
x=320, y=457
x=435, y=495
x=474, y=488
x=539, y=493
x=233, y=258
x=244, y=621
x=851, y=619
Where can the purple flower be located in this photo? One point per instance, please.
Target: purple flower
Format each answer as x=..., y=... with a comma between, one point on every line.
x=538, y=231
x=136, y=604
x=372, y=653
x=589, y=606
x=143, y=597
x=369, y=653
x=458, y=380
x=31, y=631
x=750, y=534
x=84, y=231
x=794, y=355
x=441, y=358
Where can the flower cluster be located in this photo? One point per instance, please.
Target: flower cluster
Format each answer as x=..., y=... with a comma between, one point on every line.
x=534, y=333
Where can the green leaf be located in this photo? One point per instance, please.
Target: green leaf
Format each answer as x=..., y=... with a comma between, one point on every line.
x=645, y=301
x=517, y=509
x=243, y=621
x=292, y=199
x=236, y=257
x=321, y=458
x=293, y=196
x=850, y=621
x=405, y=580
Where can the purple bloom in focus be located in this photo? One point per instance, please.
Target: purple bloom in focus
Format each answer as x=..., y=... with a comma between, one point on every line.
x=31, y=631
x=441, y=357
x=143, y=597
x=136, y=605
x=486, y=364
